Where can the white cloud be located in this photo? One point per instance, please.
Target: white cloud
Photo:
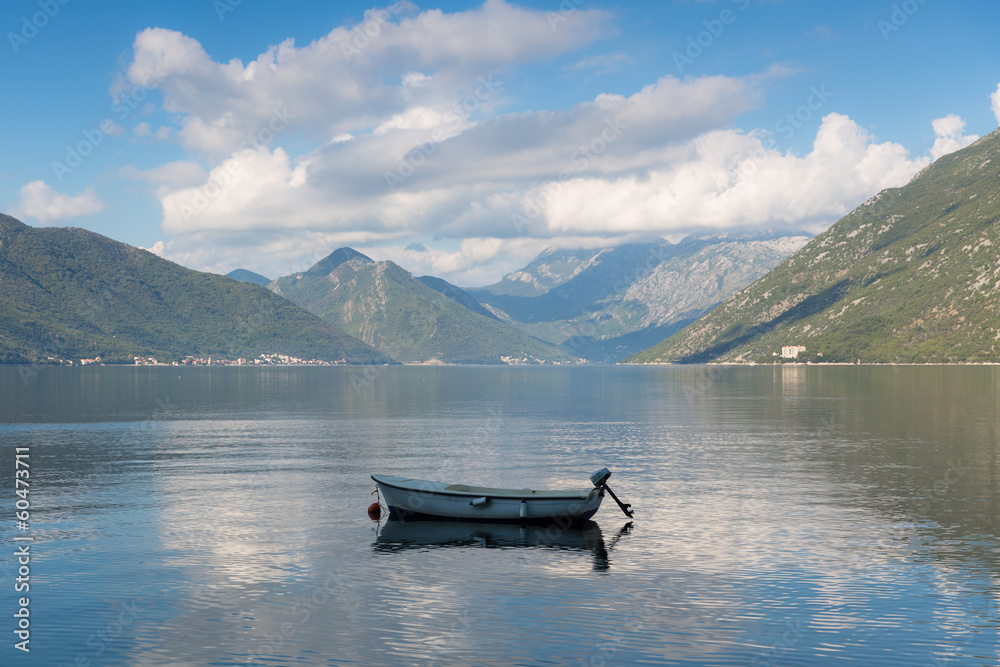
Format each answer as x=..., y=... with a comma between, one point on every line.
x=948, y=136
x=478, y=261
x=144, y=131
x=253, y=189
x=729, y=179
x=995, y=103
x=170, y=177
x=720, y=179
x=158, y=248
x=400, y=135
x=380, y=183
x=271, y=254
x=342, y=82
x=651, y=162
x=42, y=202
x=603, y=64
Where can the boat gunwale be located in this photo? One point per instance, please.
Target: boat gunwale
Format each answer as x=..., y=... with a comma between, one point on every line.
x=511, y=494
x=560, y=520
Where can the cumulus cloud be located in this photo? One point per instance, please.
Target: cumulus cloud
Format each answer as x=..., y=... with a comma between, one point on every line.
x=157, y=248
x=268, y=253
x=352, y=78
x=948, y=136
x=728, y=179
x=718, y=179
x=379, y=182
x=400, y=134
x=169, y=177
x=41, y=202
x=480, y=261
x=995, y=103
x=144, y=131
x=174, y=175
x=649, y=163
x=603, y=64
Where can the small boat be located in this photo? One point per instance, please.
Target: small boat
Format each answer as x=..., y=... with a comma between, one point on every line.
x=414, y=499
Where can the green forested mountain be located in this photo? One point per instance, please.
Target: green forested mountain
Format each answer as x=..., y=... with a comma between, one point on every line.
x=385, y=306
x=458, y=294
x=912, y=275
x=68, y=293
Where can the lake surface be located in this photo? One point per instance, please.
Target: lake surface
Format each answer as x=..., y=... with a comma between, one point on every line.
x=784, y=516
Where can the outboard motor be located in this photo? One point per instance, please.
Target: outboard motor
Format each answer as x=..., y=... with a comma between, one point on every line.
x=600, y=477
x=600, y=480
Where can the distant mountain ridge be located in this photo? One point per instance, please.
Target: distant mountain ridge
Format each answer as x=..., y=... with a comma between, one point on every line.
x=909, y=276
x=457, y=294
x=606, y=304
x=67, y=293
x=411, y=320
x=552, y=267
x=328, y=264
x=245, y=276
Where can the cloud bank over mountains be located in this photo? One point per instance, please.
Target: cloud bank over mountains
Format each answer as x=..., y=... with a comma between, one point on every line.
x=395, y=131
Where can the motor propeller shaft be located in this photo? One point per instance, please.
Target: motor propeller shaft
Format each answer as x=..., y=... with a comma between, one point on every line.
x=625, y=506
x=600, y=480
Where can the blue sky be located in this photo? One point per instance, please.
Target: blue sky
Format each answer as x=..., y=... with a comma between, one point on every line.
x=462, y=138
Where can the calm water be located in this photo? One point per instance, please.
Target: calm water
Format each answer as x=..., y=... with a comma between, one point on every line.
x=784, y=516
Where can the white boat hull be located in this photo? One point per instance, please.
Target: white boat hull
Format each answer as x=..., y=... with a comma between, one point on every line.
x=410, y=499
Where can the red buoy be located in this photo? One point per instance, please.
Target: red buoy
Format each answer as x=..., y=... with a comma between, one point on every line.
x=374, y=511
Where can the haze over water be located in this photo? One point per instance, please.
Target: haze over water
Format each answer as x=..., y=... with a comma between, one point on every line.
x=784, y=515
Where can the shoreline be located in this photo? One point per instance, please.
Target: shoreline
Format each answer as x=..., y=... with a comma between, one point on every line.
x=40, y=365
x=826, y=363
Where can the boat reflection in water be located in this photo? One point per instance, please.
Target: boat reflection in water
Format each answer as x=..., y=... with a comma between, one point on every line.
x=396, y=536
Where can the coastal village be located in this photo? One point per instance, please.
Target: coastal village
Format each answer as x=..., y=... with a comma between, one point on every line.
x=788, y=352
x=268, y=359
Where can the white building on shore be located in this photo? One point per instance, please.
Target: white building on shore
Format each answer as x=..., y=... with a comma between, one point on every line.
x=792, y=351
